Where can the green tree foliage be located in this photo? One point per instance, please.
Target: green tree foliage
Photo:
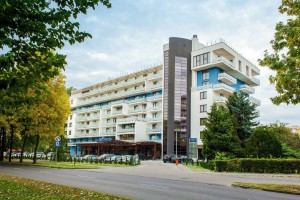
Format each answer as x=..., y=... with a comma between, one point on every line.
x=244, y=113
x=30, y=32
x=263, y=144
x=285, y=58
x=219, y=134
x=284, y=135
x=288, y=152
x=69, y=90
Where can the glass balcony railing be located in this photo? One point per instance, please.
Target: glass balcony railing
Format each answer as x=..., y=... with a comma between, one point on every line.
x=214, y=86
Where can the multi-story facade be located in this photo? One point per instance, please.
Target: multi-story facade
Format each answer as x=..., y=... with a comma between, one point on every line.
x=217, y=71
x=127, y=109
x=161, y=109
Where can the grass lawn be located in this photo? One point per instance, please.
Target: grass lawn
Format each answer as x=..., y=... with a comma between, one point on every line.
x=283, y=188
x=21, y=188
x=64, y=165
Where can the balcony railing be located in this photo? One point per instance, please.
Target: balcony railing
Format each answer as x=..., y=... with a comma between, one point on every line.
x=129, y=119
x=221, y=100
x=154, y=97
x=152, y=130
x=154, y=119
x=214, y=86
x=255, y=80
x=109, y=124
x=247, y=89
x=126, y=130
x=117, y=112
x=138, y=100
x=155, y=86
x=224, y=77
x=255, y=101
x=225, y=60
x=108, y=133
x=137, y=110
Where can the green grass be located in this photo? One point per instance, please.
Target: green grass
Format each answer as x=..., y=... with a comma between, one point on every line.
x=26, y=189
x=283, y=188
x=65, y=165
x=197, y=168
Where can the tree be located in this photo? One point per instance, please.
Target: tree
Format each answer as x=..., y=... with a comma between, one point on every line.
x=31, y=32
x=244, y=114
x=47, y=118
x=219, y=134
x=285, y=136
x=263, y=144
x=69, y=90
x=285, y=58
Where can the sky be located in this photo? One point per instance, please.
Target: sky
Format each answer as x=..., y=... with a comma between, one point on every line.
x=130, y=36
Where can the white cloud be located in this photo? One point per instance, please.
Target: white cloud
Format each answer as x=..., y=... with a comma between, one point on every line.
x=130, y=36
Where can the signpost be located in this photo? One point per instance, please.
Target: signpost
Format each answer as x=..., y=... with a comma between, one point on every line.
x=193, y=150
x=57, y=144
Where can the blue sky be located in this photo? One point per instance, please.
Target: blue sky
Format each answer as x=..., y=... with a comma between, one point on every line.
x=130, y=36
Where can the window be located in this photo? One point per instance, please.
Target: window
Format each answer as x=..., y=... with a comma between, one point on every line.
x=87, y=131
x=155, y=83
x=116, y=92
x=205, y=75
x=70, y=124
x=70, y=132
x=116, y=83
x=203, y=108
x=114, y=119
x=145, y=75
x=240, y=65
x=202, y=120
x=201, y=59
x=71, y=117
x=247, y=70
x=155, y=72
x=200, y=135
x=154, y=115
x=125, y=89
x=143, y=115
x=71, y=101
x=203, y=95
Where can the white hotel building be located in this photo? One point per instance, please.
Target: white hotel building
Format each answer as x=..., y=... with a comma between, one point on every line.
x=159, y=110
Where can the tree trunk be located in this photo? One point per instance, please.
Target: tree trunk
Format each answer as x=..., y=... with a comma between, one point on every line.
x=23, y=147
x=35, y=148
x=11, y=141
x=3, y=143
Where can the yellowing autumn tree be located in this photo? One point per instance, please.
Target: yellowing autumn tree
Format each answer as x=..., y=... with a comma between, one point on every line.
x=50, y=114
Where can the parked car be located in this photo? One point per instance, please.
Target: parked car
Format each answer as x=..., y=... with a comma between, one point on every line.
x=105, y=156
x=115, y=158
x=169, y=158
x=90, y=157
x=50, y=154
x=126, y=157
x=38, y=155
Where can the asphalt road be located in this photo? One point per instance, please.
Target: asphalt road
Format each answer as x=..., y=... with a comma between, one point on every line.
x=138, y=187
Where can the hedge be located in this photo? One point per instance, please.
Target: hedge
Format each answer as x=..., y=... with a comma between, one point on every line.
x=285, y=166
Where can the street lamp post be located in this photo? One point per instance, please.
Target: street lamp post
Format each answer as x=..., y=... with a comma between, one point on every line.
x=176, y=142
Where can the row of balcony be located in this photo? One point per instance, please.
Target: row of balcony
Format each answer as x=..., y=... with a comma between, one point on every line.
x=123, y=84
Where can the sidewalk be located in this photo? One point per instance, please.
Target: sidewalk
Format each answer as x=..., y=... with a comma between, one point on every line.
x=158, y=169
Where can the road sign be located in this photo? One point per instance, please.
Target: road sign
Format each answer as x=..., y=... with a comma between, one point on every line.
x=57, y=143
x=57, y=139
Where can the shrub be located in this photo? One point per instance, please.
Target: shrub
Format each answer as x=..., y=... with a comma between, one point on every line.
x=258, y=165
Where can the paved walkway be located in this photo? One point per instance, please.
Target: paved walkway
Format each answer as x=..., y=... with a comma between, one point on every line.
x=158, y=169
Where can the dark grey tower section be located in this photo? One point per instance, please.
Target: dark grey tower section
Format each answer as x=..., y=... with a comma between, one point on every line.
x=177, y=96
